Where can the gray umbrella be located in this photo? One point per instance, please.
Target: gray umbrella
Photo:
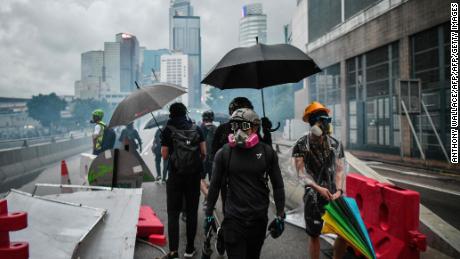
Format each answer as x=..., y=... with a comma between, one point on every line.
x=160, y=120
x=144, y=100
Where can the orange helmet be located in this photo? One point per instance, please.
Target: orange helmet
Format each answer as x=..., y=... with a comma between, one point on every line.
x=313, y=108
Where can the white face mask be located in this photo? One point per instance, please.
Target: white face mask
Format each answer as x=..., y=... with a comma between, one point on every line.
x=316, y=130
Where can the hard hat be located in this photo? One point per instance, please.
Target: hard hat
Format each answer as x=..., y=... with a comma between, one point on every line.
x=98, y=113
x=314, y=107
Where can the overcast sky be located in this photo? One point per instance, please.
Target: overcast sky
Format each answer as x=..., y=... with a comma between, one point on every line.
x=41, y=40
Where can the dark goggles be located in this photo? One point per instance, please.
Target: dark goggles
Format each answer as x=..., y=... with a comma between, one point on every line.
x=243, y=125
x=325, y=119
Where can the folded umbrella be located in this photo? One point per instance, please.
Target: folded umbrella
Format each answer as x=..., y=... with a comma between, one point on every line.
x=342, y=217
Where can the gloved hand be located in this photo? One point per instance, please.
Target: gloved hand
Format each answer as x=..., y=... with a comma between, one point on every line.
x=276, y=227
x=209, y=222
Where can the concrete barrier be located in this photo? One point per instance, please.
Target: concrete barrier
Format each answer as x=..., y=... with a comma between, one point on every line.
x=14, y=163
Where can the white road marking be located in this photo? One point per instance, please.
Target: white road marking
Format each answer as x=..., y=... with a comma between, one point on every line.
x=404, y=172
x=424, y=186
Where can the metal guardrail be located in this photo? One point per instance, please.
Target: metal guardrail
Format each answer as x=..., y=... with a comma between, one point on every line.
x=26, y=142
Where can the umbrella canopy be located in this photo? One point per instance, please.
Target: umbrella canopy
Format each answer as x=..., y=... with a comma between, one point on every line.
x=342, y=217
x=144, y=100
x=161, y=120
x=260, y=66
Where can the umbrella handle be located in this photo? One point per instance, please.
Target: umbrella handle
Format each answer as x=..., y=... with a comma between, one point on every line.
x=158, y=125
x=277, y=127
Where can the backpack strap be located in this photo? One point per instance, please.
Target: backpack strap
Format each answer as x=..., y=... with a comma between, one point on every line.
x=267, y=166
x=227, y=168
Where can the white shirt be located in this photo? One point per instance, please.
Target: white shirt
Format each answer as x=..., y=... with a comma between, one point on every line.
x=97, y=130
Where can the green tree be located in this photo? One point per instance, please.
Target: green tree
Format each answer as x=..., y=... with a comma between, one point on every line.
x=46, y=108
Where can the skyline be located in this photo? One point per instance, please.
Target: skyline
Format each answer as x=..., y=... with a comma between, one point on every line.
x=41, y=51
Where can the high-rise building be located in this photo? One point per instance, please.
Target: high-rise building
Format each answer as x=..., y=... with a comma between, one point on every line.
x=253, y=23
x=89, y=85
x=122, y=63
x=152, y=60
x=111, y=70
x=175, y=70
x=185, y=36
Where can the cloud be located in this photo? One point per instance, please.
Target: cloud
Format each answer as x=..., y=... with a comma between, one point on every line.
x=41, y=41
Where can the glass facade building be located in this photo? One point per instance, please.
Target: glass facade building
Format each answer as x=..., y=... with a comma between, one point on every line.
x=366, y=48
x=185, y=37
x=122, y=63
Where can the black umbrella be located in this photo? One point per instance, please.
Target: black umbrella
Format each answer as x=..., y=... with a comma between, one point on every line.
x=160, y=120
x=261, y=66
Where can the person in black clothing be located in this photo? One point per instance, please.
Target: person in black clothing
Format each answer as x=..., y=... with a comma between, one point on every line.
x=209, y=130
x=243, y=167
x=184, y=178
x=156, y=149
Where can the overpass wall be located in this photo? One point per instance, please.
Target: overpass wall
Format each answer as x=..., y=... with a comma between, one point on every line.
x=15, y=163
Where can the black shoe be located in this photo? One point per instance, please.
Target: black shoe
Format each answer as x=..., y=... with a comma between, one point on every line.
x=189, y=252
x=220, y=246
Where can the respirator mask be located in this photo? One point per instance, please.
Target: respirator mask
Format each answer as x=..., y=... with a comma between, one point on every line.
x=240, y=137
x=323, y=128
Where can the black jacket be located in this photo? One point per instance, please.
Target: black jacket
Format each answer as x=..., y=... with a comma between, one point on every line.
x=246, y=173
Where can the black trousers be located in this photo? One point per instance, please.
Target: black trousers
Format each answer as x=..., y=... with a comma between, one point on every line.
x=178, y=187
x=244, y=240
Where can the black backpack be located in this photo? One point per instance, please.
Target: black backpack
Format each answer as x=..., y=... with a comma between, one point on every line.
x=108, y=138
x=185, y=157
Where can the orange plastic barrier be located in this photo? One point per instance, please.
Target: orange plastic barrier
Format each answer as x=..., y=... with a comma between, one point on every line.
x=391, y=215
x=12, y=222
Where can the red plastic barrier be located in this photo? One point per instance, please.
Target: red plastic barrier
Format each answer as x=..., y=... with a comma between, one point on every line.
x=157, y=239
x=391, y=215
x=148, y=223
x=12, y=222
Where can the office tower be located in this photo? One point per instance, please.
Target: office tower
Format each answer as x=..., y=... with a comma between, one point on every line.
x=253, y=23
x=185, y=37
x=175, y=69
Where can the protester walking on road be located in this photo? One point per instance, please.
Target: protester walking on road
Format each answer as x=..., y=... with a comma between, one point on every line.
x=184, y=144
x=243, y=167
x=319, y=160
x=156, y=149
x=209, y=130
x=98, y=133
x=130, y=137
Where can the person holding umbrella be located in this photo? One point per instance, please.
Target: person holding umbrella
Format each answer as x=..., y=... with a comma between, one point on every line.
x=243, y=167
x=319, y=163
x=183, y=143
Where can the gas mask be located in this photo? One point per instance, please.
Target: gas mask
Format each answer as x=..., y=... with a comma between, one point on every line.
x=240, y=138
